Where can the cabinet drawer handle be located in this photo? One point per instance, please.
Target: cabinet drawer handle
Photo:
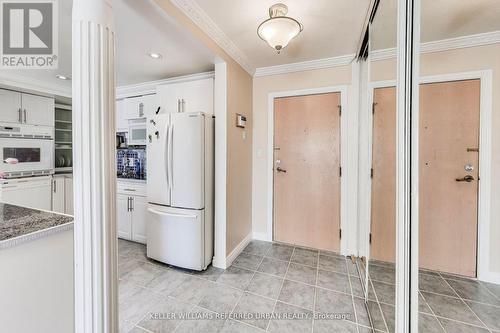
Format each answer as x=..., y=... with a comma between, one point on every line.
x=141, y=109
x=129, y=189
x=25, y=116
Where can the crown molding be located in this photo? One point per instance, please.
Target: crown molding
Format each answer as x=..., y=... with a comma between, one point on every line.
x=192, y=10
x=482, y=39
x=31, y=85
x=305, y=65
x=147, y=88
x=429, y=47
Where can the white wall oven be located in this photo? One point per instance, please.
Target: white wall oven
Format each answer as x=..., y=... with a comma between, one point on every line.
x=26, y=151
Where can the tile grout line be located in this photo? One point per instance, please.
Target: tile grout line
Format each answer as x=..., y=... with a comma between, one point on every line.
x=365, y=299
x=487, y=327
x=432, y=311
x=243, y=292
x=378, y=303
x=281, y=288
x=462, y=322
x=460, y=298
x=315, y=291
x=485, y=286
x=352, y=295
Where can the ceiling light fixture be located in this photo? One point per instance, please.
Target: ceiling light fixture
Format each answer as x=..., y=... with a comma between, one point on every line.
x=62, y=77
x=279, y=29
x=154, y=55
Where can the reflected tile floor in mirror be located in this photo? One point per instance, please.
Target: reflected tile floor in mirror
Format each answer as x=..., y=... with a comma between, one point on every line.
x=447, y=303
x=265, y=278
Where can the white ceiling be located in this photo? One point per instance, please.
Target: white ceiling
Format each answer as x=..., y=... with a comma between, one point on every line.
x=140, y=28
x=441, y=19
x=331, y=27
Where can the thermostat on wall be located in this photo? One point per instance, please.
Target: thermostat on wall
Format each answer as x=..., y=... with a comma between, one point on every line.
x=241, y=120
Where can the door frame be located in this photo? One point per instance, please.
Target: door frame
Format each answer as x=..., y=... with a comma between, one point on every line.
x=483, y=272
x=342, y=89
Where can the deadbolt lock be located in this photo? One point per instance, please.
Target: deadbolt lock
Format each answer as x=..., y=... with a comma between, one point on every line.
x=469, y=167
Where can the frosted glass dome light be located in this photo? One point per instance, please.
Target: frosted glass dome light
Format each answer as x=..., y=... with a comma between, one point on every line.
x=279, y=29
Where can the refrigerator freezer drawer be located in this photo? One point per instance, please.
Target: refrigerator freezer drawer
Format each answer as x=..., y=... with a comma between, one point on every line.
x=176, y=237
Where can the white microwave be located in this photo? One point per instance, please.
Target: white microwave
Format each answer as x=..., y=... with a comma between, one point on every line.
x=137, y=132
x=26, y=151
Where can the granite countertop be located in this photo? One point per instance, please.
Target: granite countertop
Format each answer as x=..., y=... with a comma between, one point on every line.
x=17, y=222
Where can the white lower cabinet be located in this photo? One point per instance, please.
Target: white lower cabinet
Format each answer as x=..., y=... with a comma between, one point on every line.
x=123, y=216
x=131, y=206
x=62, y=194
x=139, y=210
x=68, y=195
x=58, y=194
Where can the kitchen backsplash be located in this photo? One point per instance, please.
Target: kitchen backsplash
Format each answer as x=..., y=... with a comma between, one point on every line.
x=131, y=163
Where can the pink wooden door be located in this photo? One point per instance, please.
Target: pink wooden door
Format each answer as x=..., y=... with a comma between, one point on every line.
x=449, y=142
x=449, y=137
x=307, y=182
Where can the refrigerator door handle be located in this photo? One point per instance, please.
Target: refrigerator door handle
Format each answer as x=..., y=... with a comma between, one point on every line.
x=167, y=154
x=154, y=211
x=171, y=157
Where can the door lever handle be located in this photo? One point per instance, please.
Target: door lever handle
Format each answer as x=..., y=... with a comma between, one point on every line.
x=467, y=179
x=280, y=170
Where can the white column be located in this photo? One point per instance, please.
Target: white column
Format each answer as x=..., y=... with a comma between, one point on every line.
x=407, y=166
x=94, y=167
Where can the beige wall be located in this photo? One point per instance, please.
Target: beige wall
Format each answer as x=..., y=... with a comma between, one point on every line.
x=239, y=151
x=463, y=60
x=262, y=86
x=239, y=158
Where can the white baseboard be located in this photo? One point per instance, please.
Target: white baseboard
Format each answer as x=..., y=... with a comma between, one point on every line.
x=235, y=253
x=219, y=263
x=491, y=277
x=261, y=236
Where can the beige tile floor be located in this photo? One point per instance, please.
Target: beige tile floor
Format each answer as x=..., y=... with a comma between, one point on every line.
x=278, y=279
x=266, y=278
x=447, y=303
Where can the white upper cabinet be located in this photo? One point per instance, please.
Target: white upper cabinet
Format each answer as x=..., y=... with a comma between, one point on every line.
x=38, y=110
x=151, y=104
x=23, y=108
x=140, y=107
x=134, y=108
x=198, y=96
x=169, y=97
x=192, y=96
x=10, y=103
x=121, y=122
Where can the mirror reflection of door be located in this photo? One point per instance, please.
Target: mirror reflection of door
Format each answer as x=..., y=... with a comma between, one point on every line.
x=448, y=179
x=306, y=171
x=383, y=212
